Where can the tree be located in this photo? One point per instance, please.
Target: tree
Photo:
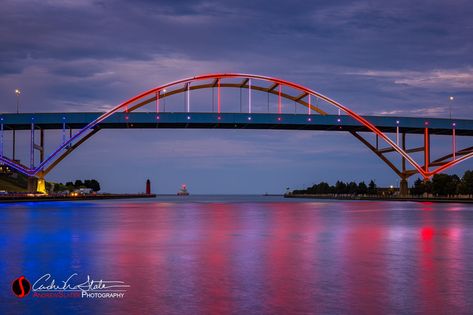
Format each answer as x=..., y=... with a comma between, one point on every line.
x=70, y=186
x=362, y=188
x=439, y=184
x=452, y=186
x=88, y=183
x=78, y=183
x=61, y=187
x=340, y=187
x=418, y=188
x=311, y=190
x=445, y=185
x=352, y=188
x=372, y=189
x=428, y=186
x=94, y=185
x=467, y=183
x=323, y=188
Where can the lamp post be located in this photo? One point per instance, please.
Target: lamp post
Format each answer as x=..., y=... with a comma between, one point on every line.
x=17, y=93
x=451, y=98
x=164, y=100
x=454, y=145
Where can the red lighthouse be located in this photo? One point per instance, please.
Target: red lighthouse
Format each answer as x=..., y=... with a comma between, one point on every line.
x=148, y=187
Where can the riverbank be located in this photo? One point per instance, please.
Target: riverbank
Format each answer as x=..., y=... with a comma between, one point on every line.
x=383, y=198
x=41, y=198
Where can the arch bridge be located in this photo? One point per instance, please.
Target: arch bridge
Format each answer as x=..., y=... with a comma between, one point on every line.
x=311, y=112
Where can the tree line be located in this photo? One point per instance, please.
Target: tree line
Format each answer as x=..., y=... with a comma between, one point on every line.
x=70, y=186
x=340, y=188
x=439, y=185
x=444, y=185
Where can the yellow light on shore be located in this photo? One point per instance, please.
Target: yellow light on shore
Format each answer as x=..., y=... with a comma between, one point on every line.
x=17, y=92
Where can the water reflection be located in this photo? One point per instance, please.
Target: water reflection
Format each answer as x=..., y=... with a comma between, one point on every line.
x=245, y=255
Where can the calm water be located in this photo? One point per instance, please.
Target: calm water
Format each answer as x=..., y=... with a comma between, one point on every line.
x=244, y=255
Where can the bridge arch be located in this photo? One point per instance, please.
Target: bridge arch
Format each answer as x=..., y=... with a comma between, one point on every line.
x=304, y=97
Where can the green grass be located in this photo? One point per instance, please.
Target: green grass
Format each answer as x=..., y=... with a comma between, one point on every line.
x=12, y=184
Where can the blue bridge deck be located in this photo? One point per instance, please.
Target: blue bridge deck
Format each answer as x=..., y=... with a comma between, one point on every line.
x=123, y=120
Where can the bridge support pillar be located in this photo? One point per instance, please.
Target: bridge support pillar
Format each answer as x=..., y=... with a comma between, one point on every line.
x=36, y=185
x=32, y=184
x=41, y=186
x=403, y=187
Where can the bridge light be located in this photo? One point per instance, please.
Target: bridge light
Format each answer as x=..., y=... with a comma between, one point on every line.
x=126, y=117
x=219, y=117
x=451, y=98
x=63, y=118
x=249, y=118
x=279, y=118
x=157, y=117
x=454, y=124
x=188, y=117
x=426, y=123
x=309, y=119
x=339, y=120
x=397, y=122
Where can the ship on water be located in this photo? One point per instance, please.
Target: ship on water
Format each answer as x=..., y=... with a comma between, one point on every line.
x=183, y=191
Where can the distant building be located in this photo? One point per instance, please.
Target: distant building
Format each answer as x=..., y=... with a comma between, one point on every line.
x=83, y=191
x=4, y=169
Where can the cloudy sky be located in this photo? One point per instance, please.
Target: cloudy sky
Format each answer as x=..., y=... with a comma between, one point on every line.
x=376, y=57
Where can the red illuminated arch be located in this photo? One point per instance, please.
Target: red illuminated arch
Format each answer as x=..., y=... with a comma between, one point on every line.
x=202, y=82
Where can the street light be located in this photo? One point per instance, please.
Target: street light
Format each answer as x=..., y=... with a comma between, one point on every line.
x=164, y=100
x=451, y=98
x=17, y=92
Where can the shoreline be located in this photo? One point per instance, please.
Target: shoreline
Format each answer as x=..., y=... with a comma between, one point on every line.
x=11, y=199
x=367, y=198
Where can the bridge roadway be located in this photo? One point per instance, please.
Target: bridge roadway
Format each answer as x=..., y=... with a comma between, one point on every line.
x=122, y=120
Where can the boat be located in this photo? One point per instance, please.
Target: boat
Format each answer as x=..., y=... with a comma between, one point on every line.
x=183, y=191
